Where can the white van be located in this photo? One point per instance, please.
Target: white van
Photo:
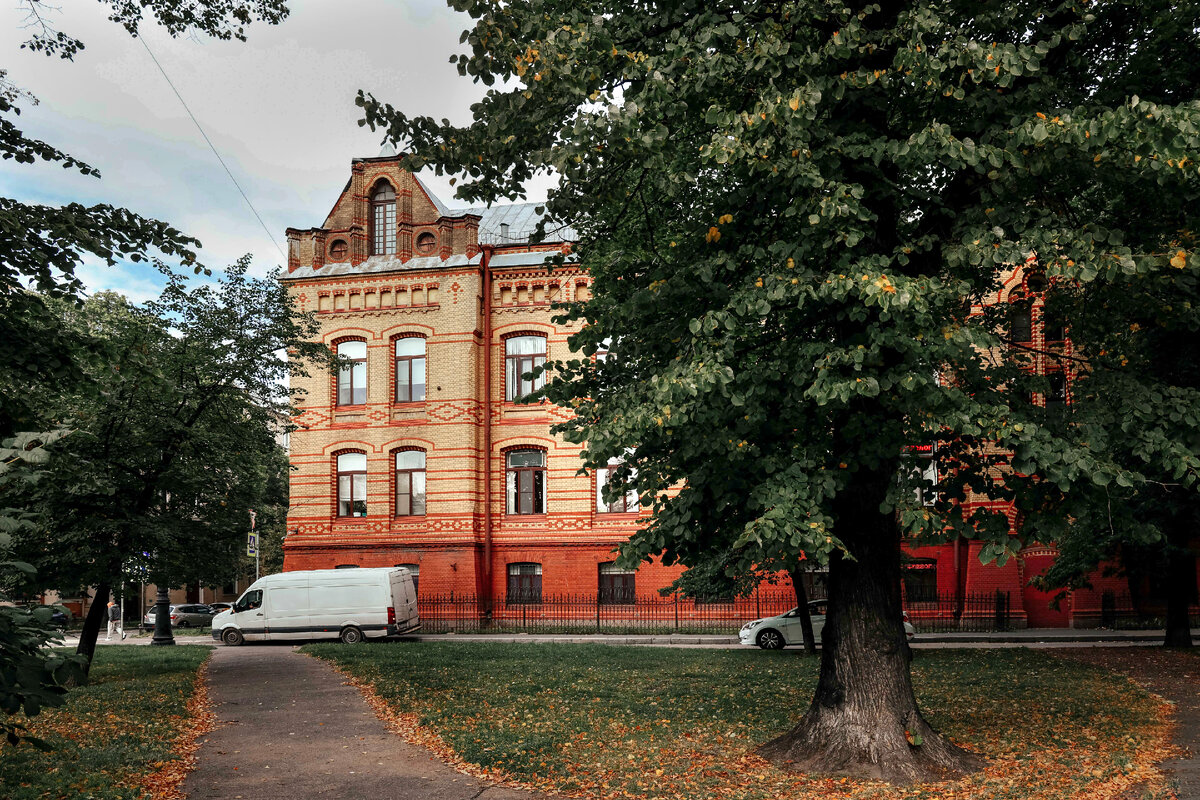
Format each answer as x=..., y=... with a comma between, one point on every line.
x=346, y=604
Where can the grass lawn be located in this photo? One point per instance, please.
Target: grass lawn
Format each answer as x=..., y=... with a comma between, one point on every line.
x=601, y=721
x=112, y=733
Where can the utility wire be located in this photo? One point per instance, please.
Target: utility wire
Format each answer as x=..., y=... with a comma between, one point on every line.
x=253, y=210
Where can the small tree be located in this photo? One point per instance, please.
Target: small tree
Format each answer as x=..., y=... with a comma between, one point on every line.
x=175, y=436
x=32, y=677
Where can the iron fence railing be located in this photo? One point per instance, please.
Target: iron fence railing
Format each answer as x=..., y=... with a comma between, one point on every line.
x=945, y=612
x=622, y=613
x=1118, y=611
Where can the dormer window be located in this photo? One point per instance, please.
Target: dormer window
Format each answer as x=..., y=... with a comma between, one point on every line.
x=383, y=220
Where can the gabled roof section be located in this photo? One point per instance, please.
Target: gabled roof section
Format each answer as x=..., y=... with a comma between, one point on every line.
x=437, y=201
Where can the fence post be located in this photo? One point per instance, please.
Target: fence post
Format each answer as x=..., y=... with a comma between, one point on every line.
x=597, y=612
x=757, y=603
x=677, y=612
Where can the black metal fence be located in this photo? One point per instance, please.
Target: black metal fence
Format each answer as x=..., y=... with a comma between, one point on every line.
x=1118, y=611
x=653, y=614
x=943, y=612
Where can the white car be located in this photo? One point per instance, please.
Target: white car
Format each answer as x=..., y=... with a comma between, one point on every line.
x=774, y=633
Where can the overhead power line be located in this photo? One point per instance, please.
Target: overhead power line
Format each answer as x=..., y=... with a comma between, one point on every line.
x=200, y=128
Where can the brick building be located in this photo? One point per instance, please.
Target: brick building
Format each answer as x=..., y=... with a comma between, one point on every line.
x=416, y=455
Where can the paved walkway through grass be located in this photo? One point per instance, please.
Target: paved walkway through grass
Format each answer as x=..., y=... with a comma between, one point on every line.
x=290, y=729
x=1174, y=675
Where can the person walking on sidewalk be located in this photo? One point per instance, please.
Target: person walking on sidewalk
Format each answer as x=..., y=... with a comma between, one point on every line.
x=114, y=621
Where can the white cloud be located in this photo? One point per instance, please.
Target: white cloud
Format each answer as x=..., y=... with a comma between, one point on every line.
x=279, y=108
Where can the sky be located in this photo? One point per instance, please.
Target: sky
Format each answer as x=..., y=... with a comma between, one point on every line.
x=279, y=108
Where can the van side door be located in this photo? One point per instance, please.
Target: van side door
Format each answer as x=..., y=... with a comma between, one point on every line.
x=288, y=613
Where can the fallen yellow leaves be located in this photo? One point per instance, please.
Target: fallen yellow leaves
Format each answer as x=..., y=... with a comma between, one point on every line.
x=166, y=782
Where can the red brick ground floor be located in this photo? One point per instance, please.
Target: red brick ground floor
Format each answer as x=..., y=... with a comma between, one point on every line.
x=946, y=579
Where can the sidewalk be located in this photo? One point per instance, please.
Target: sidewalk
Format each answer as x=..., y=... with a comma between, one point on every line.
x=289, y=727
x=1037, y=637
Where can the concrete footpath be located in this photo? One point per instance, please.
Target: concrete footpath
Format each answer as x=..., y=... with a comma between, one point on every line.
x=289, y=728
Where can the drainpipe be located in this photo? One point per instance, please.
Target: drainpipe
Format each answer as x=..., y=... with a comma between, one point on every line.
x=486, y=281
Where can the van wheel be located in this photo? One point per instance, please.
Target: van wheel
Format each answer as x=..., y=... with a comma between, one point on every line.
x=232, y=637
x=351, y=635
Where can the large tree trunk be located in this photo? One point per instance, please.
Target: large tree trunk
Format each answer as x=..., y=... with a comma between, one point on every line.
x=1181, y=590
x=864, y=721
x=97, y=617
x=806, y=629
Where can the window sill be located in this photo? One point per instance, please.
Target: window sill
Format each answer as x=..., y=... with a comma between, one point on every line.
x=526, y=517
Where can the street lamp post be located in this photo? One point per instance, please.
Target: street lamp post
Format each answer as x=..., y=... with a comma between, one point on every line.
x=162, y=619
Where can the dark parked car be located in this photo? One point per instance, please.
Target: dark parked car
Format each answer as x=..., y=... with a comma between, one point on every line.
x=186, y=615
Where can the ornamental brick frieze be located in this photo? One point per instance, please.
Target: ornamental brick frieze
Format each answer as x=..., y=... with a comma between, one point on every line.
x=399, y=297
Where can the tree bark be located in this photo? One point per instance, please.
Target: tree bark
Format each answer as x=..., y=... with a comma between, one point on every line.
x=97, y=617
x=1181, y=589
x=864, y=721
x=806, y=629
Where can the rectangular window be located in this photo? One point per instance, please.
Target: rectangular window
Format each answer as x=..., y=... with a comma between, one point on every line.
x=526, y=482
x=352, y=484
x=524, y=583
x=521, y=355
x=410, y=370
x=352, y=376
x=625, y=504
x=410, y=483
x=616, y=586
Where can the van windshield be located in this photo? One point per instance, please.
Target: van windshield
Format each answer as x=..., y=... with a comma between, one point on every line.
x=251, y=599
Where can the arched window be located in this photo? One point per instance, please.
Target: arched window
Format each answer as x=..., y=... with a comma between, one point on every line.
x=410, y=483
x=524, y=583
x=383, y=220
x=1021, y=319
x=410, y=370
x=415, y=571
x=352, y=376
x=352, y=485
x=521, y=355
x=920, y=581
x=526, y=482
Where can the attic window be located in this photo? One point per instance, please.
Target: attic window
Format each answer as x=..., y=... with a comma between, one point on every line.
x=338, y=250
x=426, y=243
x=504, y=230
